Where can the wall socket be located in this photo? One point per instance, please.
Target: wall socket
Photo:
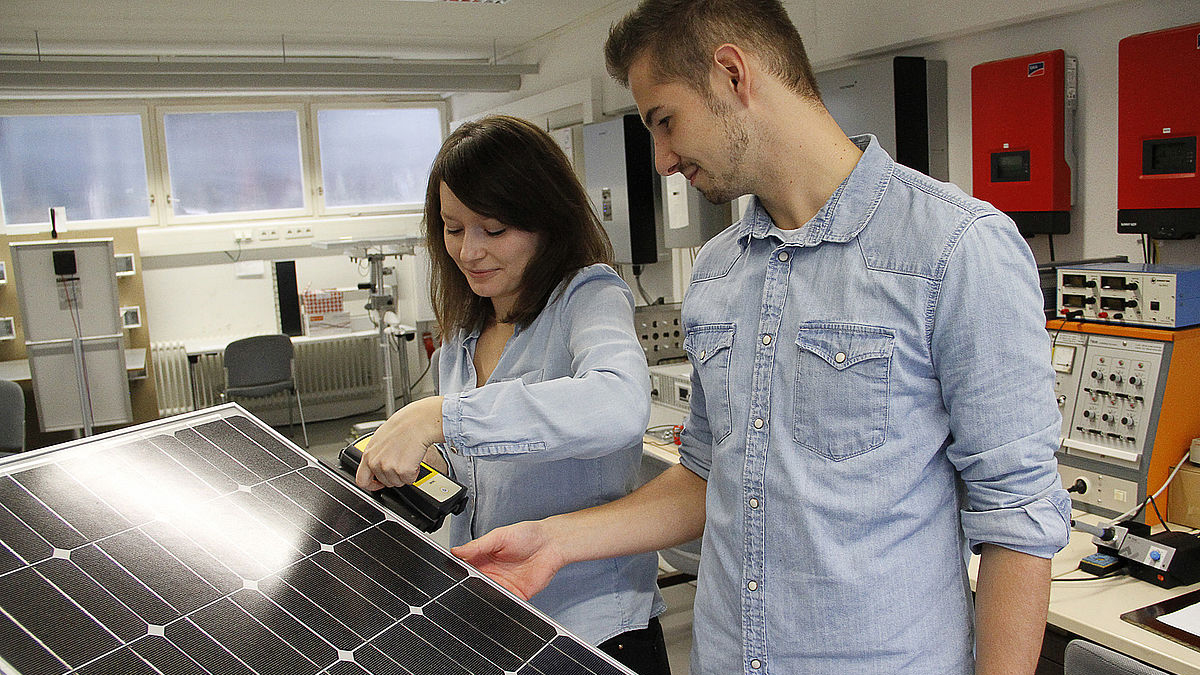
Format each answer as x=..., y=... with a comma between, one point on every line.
x=297, y=232
x=242, y=236
x=267, y=233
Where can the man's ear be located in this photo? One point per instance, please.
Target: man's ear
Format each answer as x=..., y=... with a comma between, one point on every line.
x=731, y=73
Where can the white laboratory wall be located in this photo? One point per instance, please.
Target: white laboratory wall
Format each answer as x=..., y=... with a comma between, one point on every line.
x=962, y=32
x=194, y=291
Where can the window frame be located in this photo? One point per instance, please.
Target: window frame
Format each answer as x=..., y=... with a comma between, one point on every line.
x=318, y=174
x=84, y=108
x=168, y=215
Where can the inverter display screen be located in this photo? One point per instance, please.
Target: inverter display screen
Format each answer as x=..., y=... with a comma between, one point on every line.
x=1169, y=156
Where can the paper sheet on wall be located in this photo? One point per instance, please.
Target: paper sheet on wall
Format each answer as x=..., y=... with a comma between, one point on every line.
x=1186, y=619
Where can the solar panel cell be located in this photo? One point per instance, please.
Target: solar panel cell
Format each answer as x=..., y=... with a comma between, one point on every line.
x=166, y=657
x=121, y=662
x=70, y=581
x=19, y=541
x=206, y=545
x=38, y=517
x=291, y=631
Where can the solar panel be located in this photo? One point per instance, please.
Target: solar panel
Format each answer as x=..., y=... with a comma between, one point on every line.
x=208, y=544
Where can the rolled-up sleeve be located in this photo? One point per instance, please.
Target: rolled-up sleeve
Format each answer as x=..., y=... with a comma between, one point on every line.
x=991, y=354
x=603, y=406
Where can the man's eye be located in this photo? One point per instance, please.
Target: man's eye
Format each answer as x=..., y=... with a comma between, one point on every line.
x=496, y=233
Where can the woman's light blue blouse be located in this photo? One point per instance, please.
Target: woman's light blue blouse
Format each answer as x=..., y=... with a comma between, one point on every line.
x=558, y=427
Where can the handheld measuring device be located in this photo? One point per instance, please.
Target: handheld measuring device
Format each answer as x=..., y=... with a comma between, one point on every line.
x=425, y=502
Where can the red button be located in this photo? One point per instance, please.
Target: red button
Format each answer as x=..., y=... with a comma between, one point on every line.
x=1103, y=315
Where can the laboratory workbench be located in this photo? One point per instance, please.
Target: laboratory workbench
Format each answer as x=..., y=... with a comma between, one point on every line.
x=1092, y=609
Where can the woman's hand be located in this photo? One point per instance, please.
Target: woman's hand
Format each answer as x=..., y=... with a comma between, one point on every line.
x=394, y=455
x=522, y=558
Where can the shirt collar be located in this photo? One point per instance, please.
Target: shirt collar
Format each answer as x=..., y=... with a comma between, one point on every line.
x=844, y=214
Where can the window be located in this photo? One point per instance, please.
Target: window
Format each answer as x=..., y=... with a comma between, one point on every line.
x=94, y=165
x=376, y=156
x=225, y=162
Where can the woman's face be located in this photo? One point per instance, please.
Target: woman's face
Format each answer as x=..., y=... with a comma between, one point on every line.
x=492, y=255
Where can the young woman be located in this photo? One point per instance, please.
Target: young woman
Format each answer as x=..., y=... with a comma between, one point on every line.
x=544, y=389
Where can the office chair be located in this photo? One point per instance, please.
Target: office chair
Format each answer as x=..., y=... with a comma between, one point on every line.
x=12, y=417
x=1088, y=658
x=262, y=366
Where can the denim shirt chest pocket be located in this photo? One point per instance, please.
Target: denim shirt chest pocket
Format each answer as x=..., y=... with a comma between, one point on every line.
x=709, y=348
x=841, y=391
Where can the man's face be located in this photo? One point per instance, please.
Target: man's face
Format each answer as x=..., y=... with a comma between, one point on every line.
x=696, y=135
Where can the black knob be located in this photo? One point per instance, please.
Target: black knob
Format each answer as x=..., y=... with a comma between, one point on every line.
x=1126, y=421
x=1115, y=378
x=1087, y=413
x=1134, y=380
x=1090, y=283
x=1079, y=486
x=1131, y=303
x=1089, y=301
x=1097, y=375
x=1131, y=286
x=1106, y=417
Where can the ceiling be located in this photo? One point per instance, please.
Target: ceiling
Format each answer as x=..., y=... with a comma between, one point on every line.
x=402, y=29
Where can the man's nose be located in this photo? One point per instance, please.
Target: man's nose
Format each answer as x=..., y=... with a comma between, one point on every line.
x=666, y=162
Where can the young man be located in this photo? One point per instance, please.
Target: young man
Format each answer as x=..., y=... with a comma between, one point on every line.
x=872, y=390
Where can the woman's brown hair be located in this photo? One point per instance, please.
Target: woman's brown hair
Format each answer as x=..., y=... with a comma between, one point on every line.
x=509, y=169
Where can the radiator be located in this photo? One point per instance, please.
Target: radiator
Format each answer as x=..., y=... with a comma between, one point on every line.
x=329, y=370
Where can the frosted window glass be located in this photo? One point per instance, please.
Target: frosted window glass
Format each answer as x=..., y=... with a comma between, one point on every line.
x=94, y=165
x=377, y=156
x=222, y=162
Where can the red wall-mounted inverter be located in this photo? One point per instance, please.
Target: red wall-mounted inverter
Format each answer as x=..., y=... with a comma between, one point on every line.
x=1022, y=112
x=1158, y=191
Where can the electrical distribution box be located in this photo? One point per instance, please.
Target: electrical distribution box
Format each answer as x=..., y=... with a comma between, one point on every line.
x=1158, y=190
x=691, y=219
x=618, y=157
x=1022, y=118
x=902, y=101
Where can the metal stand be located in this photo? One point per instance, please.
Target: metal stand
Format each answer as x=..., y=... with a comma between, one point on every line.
x=381, y=302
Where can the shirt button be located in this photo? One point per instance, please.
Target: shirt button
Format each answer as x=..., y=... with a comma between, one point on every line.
x=766, y=339
x=702, y=353
x=758, y=423
x=783, y=256
x=753, y=585
x=840, y=357
x=755, y=664
x=753, y=503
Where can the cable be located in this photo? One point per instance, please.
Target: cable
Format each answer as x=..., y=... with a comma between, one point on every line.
x=73, y=307
x=1050, y=238
x=637, y=278
x=1159, y=514
x=1107, y=575
x=1138, y=509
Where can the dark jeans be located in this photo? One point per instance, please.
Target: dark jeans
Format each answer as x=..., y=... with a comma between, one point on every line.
x=642, y=651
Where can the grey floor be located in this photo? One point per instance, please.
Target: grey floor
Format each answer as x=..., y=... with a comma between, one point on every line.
x=326, y=440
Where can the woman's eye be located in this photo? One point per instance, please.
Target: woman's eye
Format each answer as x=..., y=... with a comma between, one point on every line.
x=453, y=230
x=496, y=233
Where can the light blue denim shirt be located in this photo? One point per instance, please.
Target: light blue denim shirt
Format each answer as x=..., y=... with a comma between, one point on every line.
x=558, y=427
x=847, y=375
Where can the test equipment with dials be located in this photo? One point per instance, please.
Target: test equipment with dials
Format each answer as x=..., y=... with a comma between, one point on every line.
x=1127, y=397
x=1157, y=296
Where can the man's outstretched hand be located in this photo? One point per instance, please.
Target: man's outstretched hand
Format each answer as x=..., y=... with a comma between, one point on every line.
x=520, y=557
